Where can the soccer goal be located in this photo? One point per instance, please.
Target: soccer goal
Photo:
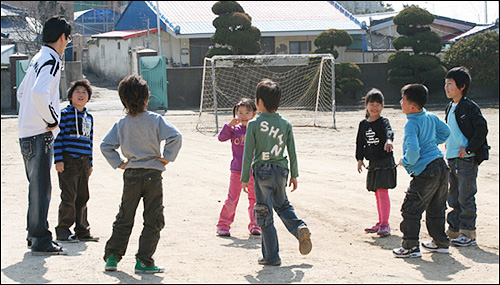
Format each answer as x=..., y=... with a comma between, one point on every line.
x=307, y=82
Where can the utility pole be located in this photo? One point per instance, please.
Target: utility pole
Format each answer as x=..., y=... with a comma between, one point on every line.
x=158, y=26
x=486, y=12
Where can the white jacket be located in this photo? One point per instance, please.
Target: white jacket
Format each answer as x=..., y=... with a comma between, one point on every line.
x=38, y=94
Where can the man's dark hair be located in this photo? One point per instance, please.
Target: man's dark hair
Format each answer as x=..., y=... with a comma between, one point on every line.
x=84, y=82
x=133, y=91
x=54, y=28
x=462, y=78
x=416, y=93
x=270, y=93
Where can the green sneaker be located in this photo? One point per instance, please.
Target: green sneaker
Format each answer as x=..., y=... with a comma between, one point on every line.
x=142, y=268
x=111, y=263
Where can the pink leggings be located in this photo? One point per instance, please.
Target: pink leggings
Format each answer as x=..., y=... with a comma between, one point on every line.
x=227, y=213
x=383, y=206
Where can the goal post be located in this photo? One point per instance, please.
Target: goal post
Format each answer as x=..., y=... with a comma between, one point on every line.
x=307, y=82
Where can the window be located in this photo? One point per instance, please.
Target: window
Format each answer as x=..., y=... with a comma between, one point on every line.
x=300, y=47
x=118, y=45
x=267, y=45
x=198, y=49
x=103, y=54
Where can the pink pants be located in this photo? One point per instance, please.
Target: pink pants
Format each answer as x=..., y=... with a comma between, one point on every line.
x=228, y=210
x=383, y=206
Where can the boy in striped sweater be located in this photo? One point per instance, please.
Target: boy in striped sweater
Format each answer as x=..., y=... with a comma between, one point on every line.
x=73, y=159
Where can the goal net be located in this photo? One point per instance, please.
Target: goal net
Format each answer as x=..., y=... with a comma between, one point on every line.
x=306, y=80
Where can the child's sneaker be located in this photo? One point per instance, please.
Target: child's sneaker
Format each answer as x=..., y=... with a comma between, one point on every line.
x=431, y=246
x=305, y=244
x=88, y=237
x=71, y=238
x=111, y=263
x=373, y=229
x=223, y=232
x=404, y=253
x=142, y=268
x=256, y=231
x=262, y=261
x=463, y=240
x=384, y=231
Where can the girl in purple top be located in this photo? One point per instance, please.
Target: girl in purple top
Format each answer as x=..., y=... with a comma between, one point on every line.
x=243, y=112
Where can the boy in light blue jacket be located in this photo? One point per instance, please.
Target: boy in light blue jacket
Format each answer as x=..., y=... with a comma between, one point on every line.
x=428, y=188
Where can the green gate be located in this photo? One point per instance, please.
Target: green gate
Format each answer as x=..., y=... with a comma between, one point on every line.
x=153, y=69
x=21, y=69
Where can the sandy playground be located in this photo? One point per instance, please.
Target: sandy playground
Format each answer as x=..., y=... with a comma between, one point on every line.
x=331, y=198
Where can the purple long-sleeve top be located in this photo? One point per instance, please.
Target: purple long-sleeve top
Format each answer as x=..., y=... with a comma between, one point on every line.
x=237, y=136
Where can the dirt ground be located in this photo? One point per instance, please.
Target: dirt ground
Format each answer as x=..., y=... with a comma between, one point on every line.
x=331, y=198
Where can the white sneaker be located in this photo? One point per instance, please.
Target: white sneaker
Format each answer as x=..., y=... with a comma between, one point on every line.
x=407, y=253
x=463, y=240
x=431, y=246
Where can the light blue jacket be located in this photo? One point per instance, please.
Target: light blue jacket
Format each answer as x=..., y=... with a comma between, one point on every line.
x=424, y=131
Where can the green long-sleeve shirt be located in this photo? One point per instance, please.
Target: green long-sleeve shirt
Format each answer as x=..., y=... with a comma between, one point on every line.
x=265, y=142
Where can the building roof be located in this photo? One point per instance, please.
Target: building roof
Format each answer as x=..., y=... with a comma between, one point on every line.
x=273, y=18
x=477, y=29
x=125, y=34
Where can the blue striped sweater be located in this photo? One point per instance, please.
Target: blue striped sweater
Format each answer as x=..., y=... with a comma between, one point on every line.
x=74, y=139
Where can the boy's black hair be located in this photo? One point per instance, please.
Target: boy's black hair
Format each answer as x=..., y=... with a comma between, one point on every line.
x=84, y=82
x=249, y=103
x=54, y=28
x=416, y=93
x=374, y=95
x=134, y=92
x=462, y=78
x=270, y=93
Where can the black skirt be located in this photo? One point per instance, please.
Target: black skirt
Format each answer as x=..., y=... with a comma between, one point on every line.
x=381, y=174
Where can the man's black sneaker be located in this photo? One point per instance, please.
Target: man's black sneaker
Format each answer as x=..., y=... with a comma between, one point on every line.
x=53, y=250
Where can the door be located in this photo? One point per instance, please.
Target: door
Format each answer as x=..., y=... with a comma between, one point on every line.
x=21, y=69
x=153, y=69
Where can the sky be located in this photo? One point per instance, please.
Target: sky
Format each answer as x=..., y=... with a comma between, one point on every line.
x=470, y=11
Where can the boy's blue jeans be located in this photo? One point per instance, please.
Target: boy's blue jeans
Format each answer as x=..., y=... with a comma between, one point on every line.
x=270, y=182
x=38, y=152
x=427, y=192
x=461, y=195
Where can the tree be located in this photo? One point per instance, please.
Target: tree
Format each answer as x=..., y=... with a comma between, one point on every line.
x=366, y=7
x=422, y=66
x=27, y=27
x=479, y=53
x=234, y=33
x=346, y=73
x=329, y=39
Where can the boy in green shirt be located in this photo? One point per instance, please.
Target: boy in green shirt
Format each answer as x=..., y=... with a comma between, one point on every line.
x=266, y=137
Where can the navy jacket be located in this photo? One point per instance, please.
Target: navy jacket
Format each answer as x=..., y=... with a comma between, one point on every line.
x=473, y=126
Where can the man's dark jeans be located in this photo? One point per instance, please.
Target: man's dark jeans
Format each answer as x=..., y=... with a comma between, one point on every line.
x=74, y=184
x=461, y=195
x=145, y=184
x=427, y=192
x=38, y=152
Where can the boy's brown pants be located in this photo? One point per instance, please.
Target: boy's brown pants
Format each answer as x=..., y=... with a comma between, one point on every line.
x=145, y=184
x=74, y=184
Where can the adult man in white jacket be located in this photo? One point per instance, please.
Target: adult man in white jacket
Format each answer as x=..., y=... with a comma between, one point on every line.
x=38, y=121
